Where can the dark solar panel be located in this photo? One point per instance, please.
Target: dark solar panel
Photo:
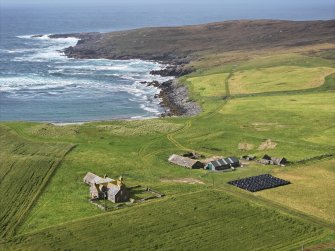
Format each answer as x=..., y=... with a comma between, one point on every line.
x=258, y=183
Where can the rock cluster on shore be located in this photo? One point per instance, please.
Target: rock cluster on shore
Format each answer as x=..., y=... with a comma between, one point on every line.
x=175, y=99
x=174, y=96
x=176, y=71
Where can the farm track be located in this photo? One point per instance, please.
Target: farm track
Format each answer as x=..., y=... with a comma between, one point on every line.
x=321, y=246
x=188, y=124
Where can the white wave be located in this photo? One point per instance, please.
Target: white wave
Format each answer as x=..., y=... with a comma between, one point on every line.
x=26, y=36
x=76, y=77
x=50, y=49
x=150, y=109
x=22, y=84
x=144, y=117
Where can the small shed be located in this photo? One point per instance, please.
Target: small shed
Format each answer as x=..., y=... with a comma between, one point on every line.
x=267, y=160
x=223, y=164
x=185, y=162
x=279, y=161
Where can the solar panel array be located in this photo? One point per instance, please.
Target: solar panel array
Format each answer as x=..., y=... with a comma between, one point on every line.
x=258, y=183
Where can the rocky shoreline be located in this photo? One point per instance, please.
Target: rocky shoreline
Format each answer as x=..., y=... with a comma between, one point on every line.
x=174, y=96
x=175, y=99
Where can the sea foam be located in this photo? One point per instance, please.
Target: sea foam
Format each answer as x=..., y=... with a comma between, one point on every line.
x=49, y=76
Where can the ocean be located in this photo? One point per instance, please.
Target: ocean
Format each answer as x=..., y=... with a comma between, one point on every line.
x=38, y=83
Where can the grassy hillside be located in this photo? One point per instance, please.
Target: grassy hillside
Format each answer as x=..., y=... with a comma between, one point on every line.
x=25, y=168
x=202, y=220
x=187, y=42
x=275, y=101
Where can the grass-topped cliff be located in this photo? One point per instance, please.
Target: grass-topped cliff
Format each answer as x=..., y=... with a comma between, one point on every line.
x=180, y=44
x=275, y=97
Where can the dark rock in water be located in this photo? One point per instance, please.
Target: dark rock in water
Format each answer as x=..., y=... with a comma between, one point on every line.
x=154, y=83
x=83, y=36
x=35, y=36
x=176, y=71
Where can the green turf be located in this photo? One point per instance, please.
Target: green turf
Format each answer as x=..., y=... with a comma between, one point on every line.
x=25, y=168
x=280, y=78
x=310, y=188
x=198, y=220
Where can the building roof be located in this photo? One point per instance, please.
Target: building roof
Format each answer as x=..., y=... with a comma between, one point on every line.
x=208, y=160
x=224, y=161
x=113, y=190
x=182, y=161
x=89, y=177
x=92, y=178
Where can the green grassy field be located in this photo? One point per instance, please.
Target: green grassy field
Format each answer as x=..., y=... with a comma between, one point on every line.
x=280, y=78
x=53, y=211
x=308, y=192
x=25, y=169
x=202, y=220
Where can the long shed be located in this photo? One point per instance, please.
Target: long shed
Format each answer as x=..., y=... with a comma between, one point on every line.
x=223, y=164
x=185, y=162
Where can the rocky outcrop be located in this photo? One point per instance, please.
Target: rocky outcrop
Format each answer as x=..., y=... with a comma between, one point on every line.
x=175, y=71
x=176, y=101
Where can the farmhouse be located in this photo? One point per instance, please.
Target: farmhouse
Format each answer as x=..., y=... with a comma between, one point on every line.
x=185, y=162
x=106, y=188
x=223, y=164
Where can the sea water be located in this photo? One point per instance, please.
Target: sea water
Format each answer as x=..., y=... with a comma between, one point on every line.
x=39, y=83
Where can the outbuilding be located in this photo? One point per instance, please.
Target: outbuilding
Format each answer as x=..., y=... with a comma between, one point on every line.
x=267, y=160
x=185, y=162
x=223, y=164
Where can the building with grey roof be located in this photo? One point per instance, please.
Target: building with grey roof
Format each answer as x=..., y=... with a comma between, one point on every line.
x=185, y=162
x=223, y=164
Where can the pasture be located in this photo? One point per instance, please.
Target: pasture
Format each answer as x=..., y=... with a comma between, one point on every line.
x=25, y=169
x=202, y=220
x=279, y=78
x=310, y=191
